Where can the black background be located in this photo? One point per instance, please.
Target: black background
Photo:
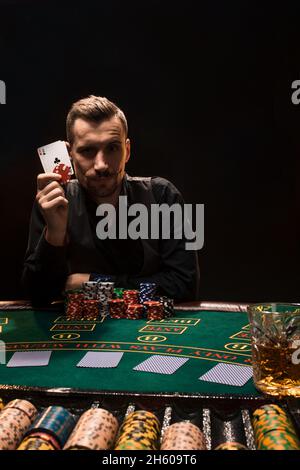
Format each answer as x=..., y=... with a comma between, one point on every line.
x=206, y=87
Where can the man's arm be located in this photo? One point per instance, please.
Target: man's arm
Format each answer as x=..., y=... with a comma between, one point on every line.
x=45, y=267
x=179, y=281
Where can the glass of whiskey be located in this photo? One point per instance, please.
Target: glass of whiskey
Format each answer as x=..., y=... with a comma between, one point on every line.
x=275, y=340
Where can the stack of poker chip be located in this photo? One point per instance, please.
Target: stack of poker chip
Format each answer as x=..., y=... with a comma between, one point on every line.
x=90, y=289
x=15, y=419
x=74, y=304
x=133, y=309
x=230, y=445
x=273, y=430
x=139, y=431
x=90, y=301
x=95, y=430
x=90, y=310
x=168, y=305
x=116, y=308
x=183, y=436
x=96, y=297
x=131, y=297
x=147, y=291
x=49, y=431
x=105, y=292
x=154, y=310
x=134, y=312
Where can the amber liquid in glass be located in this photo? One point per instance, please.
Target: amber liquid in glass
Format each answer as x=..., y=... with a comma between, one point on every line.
x=274, y=372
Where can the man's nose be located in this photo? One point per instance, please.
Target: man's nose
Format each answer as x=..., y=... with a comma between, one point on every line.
x=99, y=162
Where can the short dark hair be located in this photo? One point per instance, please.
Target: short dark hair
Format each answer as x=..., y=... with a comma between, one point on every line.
x=93, y=108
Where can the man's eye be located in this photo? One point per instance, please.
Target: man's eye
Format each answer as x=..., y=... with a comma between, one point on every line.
x=87, y=151
x=113, y=147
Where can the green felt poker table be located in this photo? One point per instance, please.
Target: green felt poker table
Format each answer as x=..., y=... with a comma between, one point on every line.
x=206, y=333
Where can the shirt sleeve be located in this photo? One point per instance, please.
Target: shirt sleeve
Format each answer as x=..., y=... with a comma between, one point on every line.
x=179, y=276
x=45, y=266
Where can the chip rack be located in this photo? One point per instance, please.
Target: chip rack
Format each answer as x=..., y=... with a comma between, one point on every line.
x=221, y=418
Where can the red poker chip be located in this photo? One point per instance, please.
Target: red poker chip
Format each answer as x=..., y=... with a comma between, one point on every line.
x=155, y=310
x=116, y=308
x=134, y=311
x=131, y=296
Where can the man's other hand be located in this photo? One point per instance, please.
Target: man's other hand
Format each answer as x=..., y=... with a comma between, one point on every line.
x=74, y=281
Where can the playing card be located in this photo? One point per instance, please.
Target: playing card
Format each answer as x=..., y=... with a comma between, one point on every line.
x=55, y=159
x=100, y=359
x=161, y=364
x=228, y=374
x=29, y=359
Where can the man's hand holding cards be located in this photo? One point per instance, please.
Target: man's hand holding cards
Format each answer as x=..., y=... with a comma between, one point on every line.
x=50, y=193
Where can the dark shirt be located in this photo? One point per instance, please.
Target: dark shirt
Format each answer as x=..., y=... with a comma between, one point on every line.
x=166, y=262
x=123, y=256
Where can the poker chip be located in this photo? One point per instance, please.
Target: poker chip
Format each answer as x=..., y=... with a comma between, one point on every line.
x=22, y=405
x=183, y=436
x=95, y=299
x=230, y=445
x=134, y=311
x=54, y=421
x=79, y=304
x=74, y=304
x=105, y=292
x=95, y=430
x=116, y=308
x=90, y=290
x=147, y=291
x=273, y=429
x=36, y=443
x=131, y=297
x=1, y=404
x=15, y=419
x=168, y=305
x=118, y=293
x=154, y=310
x=140, y=430
x=90, y=310
x=45, y=437
x=131, y=445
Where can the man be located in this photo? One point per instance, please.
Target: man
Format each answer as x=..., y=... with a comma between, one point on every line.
x=64, y=250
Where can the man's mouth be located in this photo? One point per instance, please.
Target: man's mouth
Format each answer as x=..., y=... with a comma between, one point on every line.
x=100, y=177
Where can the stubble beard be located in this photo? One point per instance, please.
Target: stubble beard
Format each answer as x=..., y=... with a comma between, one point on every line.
x=100, y=190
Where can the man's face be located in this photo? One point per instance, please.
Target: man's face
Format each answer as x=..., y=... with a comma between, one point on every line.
x=99, y=153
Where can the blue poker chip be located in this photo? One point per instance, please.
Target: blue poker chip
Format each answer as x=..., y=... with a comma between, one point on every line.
x=147, y=291
x=56, y=421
